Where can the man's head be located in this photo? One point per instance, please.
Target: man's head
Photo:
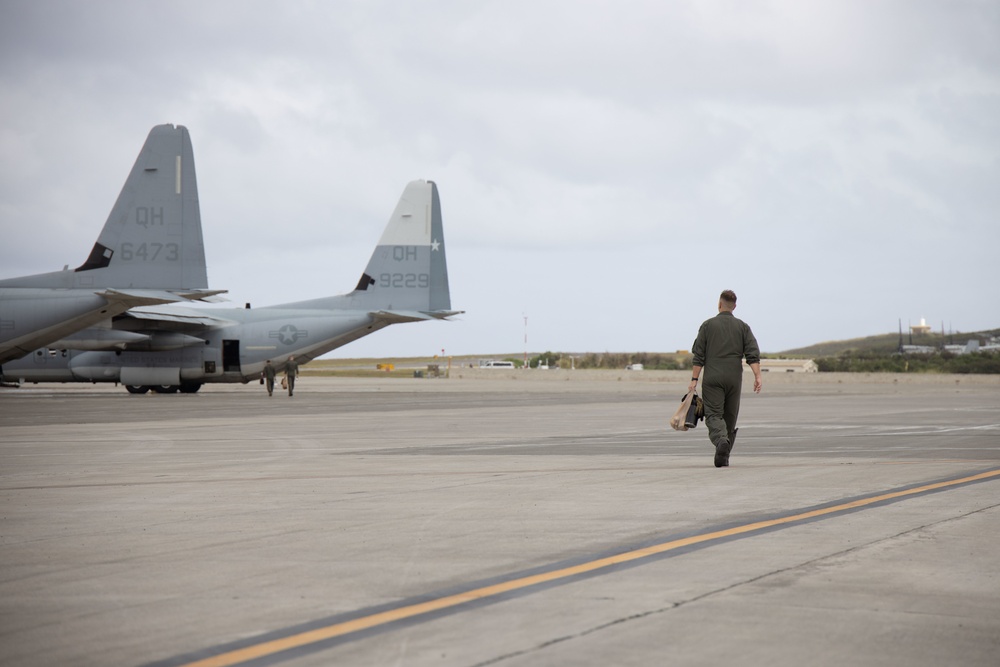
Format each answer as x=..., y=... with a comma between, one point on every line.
x=727, y=301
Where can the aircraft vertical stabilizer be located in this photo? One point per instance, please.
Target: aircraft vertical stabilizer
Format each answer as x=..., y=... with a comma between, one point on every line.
x=152, y=238
x=412, y=244
x=407, y=273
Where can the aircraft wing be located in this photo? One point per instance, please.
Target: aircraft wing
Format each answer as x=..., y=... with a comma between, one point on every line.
x=143, y=329
x=60, y=320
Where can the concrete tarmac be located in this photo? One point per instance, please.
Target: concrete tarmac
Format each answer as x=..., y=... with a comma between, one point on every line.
x=546, y=518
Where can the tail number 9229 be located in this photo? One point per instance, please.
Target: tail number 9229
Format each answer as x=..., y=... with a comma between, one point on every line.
x=415, y=280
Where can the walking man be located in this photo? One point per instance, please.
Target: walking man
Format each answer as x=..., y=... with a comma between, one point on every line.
x=291, y=371
x=719, y=349
x=268, y=375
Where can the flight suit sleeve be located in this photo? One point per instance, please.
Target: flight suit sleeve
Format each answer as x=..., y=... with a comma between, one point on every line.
x=698, y=348
x=750, y=349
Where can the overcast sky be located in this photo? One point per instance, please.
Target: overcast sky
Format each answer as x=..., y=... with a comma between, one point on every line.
x=605, y=168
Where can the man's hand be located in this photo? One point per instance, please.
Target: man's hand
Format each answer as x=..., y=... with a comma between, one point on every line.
x=757, y=385
x=692, y=386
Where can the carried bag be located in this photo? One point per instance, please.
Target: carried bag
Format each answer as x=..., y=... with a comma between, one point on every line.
x=691, y=410
x=695, y=412
x=284, y=383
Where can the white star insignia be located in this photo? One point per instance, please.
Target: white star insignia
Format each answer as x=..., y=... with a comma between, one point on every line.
x=435, y=245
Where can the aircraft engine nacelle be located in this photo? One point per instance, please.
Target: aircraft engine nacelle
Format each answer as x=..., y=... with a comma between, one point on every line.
x=94, y=366
x=108, y=367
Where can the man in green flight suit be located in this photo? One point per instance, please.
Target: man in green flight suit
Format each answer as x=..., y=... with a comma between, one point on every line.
x=719, y=349
x=291, y=372
x=268, y=376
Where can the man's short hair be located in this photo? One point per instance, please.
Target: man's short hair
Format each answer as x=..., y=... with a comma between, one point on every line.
x=729, y=296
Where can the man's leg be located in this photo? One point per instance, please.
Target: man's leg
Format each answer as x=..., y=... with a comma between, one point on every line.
x=291, y=384
x=715, y=403
x=732, y=410
x=714, y=396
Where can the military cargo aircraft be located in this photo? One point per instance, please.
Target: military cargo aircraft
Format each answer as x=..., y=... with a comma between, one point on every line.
x=150, y=251
x=406, y=280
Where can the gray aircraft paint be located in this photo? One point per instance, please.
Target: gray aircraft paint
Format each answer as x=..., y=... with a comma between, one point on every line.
x=408, y=270
x=406, y=280
x=150, y=251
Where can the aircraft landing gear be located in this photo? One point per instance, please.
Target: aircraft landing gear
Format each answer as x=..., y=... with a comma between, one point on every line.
x=183, y=387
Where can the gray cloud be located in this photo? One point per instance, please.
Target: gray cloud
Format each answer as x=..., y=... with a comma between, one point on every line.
x=605, y=168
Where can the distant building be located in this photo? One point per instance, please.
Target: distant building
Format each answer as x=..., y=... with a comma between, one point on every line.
x=918, y=349
x=971, y=346
x=921, y=328
x=788, y=366
x=968, y=348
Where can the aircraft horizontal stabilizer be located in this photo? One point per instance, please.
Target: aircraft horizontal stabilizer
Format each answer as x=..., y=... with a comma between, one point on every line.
x=203, y=295
x=148, y=297
x=400, y=316
x=133, y=298
x=178, y=318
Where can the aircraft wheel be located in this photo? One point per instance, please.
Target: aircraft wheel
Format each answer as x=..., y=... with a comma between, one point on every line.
x=190, y=387
x=166, y=388
x=137, y=388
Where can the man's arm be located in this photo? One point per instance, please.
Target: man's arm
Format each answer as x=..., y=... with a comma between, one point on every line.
x=757, y=384
x=698, y=357
x=695, y=372
x=752, y=353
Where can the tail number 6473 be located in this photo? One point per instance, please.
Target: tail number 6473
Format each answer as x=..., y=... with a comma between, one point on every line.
x=150, y=252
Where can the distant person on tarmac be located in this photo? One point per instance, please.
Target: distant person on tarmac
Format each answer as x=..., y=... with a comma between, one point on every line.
x=268, y=375
x=291, y=371
x=719, y=349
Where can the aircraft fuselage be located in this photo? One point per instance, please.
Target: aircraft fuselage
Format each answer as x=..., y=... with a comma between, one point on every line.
x=230, y=353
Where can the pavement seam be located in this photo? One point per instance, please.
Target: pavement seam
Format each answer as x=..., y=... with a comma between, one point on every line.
x=704, y=596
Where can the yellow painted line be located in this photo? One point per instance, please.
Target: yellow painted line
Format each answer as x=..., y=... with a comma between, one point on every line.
x=267, y=648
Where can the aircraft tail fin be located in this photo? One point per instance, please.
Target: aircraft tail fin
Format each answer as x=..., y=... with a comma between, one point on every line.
x=153, y=237
x=408, y=271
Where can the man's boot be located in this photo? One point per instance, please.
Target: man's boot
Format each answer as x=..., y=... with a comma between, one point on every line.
x=722, y=450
